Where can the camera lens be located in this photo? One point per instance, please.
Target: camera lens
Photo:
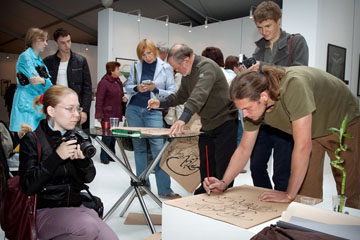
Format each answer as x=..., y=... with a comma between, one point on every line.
x=88, y=149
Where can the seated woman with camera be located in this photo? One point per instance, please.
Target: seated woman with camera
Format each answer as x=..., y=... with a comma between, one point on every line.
x=60, y=213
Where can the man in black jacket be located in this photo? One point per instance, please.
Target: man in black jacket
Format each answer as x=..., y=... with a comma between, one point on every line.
x=70, y=69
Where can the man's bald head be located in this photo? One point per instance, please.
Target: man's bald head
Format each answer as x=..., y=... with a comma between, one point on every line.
x=179, y=52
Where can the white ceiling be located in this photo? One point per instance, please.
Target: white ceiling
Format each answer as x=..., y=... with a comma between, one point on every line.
x=79, y=17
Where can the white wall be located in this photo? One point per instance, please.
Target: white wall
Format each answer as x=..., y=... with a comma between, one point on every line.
x=324, y=22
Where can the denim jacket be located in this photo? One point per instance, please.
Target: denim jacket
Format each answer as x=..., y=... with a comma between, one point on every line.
x=163, y=78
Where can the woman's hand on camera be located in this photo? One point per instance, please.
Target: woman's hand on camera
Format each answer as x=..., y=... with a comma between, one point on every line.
x=78, y=153
x=67, y=149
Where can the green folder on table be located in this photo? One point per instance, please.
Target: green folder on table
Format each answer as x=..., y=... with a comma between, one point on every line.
x=130, y=133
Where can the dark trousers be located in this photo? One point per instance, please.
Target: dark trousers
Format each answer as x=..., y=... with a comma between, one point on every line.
x=271, y=138
x=110, y=143
x=221, y=144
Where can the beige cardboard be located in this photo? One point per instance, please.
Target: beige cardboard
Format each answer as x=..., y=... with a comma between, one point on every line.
x=155, y=236
x=238, y=206
x=182, y=161
x=139, y=219
x=314, y=213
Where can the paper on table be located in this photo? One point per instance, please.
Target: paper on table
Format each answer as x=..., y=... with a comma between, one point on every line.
x=318, y=214
x=238, y=206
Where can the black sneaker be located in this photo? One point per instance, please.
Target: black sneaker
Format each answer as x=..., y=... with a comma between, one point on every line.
x=105, y=161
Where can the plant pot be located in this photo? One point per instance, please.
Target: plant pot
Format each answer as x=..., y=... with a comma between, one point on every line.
x=338, y=203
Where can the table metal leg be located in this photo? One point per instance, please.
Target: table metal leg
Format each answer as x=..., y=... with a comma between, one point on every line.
x=156, y=199
x=118, y=202
x=146, y=213
x=137, y=183
x=131, y=199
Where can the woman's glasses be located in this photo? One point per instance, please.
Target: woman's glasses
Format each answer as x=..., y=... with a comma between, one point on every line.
x=72, y=109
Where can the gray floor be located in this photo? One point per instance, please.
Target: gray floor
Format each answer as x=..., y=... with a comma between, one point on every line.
x=111, y=182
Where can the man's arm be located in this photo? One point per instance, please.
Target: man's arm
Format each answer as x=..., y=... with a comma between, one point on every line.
x=237, y=163
x=299, y=161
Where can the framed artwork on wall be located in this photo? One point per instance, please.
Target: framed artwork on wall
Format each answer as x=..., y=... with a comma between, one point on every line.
x=125, y=65
x=4, y=85
x=335, y=64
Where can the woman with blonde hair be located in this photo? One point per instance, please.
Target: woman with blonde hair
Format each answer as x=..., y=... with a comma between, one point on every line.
x=33, y=79
x=150, y=77
x=60, y=213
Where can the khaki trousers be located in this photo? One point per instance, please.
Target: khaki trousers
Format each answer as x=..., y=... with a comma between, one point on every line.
x=313, y=182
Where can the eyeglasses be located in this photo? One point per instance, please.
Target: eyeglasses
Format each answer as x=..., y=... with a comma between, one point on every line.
x=73, y=109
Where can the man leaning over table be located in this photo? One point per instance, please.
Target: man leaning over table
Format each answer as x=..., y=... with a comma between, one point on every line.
x=304, y=102
x=203, y=90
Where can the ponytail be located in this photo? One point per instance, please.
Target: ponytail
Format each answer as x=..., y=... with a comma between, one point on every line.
x=274, y=76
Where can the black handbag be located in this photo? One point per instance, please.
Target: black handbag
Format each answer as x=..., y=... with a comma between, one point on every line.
x=93, y=202
x=88, y=200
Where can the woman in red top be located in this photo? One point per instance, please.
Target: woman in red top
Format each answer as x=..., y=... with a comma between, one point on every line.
x=109, y=96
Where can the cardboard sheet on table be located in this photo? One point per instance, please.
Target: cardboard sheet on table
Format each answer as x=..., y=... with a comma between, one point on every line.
x=146, y=131
x=139, y=219
x=238, y=206
x=318, y=214
x=155, y=236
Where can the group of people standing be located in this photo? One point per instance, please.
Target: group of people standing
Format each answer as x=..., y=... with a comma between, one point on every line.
x=287, y=109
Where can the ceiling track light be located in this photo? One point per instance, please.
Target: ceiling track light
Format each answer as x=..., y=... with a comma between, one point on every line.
x=166, y=20
x=207, y=21
x=187, y=22
x=138, y=11
x=252, y=9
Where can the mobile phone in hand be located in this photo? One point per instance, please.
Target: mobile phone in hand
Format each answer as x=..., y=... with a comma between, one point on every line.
x=147, y=82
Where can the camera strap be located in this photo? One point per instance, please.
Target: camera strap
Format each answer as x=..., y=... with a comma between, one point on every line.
x=77, y=179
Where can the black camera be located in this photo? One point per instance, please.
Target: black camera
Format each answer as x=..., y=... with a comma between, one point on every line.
x=23, y=80
x=249, y=62
x=42, y=71
x=82, y=139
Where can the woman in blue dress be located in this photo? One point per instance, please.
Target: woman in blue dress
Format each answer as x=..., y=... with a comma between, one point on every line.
x=33, y=79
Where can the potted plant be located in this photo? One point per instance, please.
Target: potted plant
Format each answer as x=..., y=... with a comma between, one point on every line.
x=341, y=133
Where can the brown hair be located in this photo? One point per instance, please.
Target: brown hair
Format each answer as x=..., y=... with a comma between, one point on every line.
x=60, y=32
x=145, y=43
x=231, y=62
x=52, y=97
x=33, y=34
x=250, y=84
x=110, y=67
x=214, y=54
x=267, y=10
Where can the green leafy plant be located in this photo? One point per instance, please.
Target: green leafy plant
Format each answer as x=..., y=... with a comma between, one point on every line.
x=341, y=133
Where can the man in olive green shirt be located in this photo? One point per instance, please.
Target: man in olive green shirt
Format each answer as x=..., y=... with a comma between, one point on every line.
x=304, y=102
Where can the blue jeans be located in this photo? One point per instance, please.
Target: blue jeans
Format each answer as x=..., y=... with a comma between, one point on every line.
x=110, y=143
x=140, y=117
x=271, y=138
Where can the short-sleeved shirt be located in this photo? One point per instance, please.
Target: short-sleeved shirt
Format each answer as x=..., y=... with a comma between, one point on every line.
x=306, y=90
